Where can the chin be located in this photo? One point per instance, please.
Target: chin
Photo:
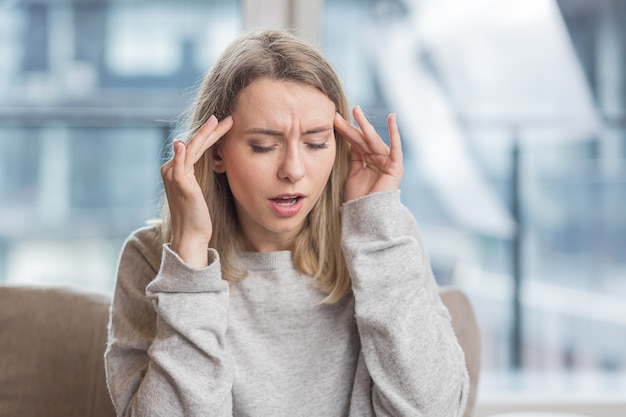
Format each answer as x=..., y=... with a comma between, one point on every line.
x=287, y=228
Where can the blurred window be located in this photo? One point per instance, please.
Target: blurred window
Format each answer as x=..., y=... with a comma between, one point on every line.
x=512, y=118
x=90, y=92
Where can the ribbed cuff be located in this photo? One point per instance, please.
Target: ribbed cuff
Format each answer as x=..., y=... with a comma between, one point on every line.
x=376, y=216
x=177, y=277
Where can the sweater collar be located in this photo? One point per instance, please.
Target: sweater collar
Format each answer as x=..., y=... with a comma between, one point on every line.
x=266, y=261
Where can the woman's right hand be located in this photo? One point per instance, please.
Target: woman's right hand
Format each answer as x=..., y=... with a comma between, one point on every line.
x=190, y=218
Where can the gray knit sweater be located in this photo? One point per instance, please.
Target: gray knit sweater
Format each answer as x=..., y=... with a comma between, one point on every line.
x=183, y=342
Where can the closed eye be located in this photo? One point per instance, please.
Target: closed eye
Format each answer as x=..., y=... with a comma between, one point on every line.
x=262, y=149
x=317, y=146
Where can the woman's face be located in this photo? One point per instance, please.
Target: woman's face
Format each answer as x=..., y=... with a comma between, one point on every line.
x=277, y=157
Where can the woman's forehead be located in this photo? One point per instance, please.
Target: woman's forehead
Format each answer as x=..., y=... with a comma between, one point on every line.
x=273, y=102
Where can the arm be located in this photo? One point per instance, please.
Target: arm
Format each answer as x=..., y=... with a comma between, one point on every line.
x=408, y=344
x=166, y=354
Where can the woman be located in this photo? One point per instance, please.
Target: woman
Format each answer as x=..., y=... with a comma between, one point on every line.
x=285, y=278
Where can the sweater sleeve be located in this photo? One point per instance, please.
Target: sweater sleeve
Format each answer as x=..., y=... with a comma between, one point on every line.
x=166, y=354
x=409, y=347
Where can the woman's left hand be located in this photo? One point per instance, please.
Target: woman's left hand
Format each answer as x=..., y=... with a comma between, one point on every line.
x=374, y=166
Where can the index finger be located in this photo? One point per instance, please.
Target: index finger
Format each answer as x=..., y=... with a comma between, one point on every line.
x=206, y=137
x=351, y=133
x=373, y=141
x=364, y=137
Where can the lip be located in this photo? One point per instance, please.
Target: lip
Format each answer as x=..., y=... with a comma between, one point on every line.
x=286, y=205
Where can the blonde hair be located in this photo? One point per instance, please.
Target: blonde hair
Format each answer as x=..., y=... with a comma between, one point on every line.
x=279, y=56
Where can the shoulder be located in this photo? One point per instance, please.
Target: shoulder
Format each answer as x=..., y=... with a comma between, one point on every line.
x=143, y=245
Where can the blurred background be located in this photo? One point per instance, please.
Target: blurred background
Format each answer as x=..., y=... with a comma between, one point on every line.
x=514, y=134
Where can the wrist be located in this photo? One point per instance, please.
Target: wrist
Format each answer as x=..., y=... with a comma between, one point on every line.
x=194, y=254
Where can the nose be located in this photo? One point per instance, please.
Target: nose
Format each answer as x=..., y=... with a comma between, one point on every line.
x=292, y=165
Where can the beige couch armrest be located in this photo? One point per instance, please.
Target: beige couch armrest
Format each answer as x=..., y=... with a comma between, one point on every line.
x=52, y=343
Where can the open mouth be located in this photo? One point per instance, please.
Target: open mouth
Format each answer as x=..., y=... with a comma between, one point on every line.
x=287, y=201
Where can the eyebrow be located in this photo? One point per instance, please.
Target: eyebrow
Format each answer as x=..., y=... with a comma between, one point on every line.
x=270, y=132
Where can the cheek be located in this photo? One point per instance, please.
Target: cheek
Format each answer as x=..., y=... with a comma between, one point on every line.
x=236, y=162
x=324, y=167
x=248, y=176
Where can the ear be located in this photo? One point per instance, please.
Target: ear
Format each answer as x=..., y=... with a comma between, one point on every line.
x=218, y=162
